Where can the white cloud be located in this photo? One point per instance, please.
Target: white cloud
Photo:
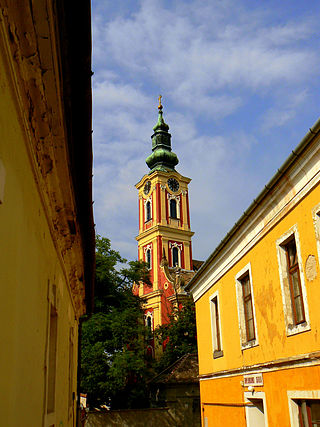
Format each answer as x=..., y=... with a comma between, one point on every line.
x=226, y=73
x=285, y=110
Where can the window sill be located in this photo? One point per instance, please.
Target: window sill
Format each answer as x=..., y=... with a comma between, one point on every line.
x=217, y=354
x=298, y=329
x=249, y=344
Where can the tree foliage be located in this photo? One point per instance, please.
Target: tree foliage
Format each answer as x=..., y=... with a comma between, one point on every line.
x=113, y=368
x=179, y=336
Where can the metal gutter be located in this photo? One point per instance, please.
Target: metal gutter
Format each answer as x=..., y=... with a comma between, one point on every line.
x=304, y=143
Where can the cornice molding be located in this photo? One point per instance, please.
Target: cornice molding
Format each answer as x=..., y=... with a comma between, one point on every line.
x=290, y=190
x=35, y=69
x=301, y=360
x=165, y=231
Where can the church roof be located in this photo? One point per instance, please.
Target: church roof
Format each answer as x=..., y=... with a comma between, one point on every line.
x=162, y=158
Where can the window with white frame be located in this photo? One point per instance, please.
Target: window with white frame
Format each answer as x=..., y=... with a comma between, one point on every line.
x=246, y=308
x=316, y=221
x=304, y=408
x=256, y=409
x=292, y=281
x=174, y=206
x=148, y=209
x=148, y=255
x=216, y=325
x=149, y=323
x=176, y=249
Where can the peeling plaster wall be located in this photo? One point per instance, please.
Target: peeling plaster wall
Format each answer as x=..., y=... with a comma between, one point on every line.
x=287, y=356
x=41, y=259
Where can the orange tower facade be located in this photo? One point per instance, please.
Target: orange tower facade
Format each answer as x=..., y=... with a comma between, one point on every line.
x=164, y=239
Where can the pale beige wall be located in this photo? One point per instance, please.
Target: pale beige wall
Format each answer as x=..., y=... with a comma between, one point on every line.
x=28, y=266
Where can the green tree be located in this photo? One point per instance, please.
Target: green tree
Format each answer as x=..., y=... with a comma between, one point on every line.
x=179, y=336
x=113, y=367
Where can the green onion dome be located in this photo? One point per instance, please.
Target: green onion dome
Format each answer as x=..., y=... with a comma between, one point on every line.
x=162, y=158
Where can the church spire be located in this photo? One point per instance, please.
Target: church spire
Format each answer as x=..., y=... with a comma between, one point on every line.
x=162, y=158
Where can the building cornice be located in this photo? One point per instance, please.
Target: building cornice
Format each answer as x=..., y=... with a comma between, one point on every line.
x=165, y=231
x=299, y=361
x=279, y=196
x=39, y=83
x=164, y=176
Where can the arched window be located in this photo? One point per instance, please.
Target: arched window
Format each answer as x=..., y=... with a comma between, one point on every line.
x=175, y=257
x=148, y=258
x=148, y=211
x=149, y=323
x=173, y=208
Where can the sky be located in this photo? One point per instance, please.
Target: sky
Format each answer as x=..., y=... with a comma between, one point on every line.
x=240, y=84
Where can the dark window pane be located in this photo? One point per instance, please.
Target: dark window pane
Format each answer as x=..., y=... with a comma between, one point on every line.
x=173, y=208
x=315, y=412
x=247, y=305
x=148, y=211
x=294, y=282
x=175, y=257
x=149, y=258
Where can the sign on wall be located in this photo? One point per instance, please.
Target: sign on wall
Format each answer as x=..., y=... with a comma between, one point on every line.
x=253, y=380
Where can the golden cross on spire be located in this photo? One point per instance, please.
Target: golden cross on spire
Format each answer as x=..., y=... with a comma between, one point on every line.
x=160, y=106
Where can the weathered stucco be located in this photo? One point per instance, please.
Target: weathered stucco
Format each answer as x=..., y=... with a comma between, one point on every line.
x=41, y=265
x=285, y=354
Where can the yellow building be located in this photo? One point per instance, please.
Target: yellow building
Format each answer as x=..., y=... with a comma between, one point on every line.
x=257, y=305
x=164, y=240
x=46, y=222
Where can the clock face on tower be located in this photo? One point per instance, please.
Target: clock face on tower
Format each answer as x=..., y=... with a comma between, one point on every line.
x=147, y=187
x=173, y=184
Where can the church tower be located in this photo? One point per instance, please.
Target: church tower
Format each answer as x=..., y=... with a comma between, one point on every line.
x=164, y=239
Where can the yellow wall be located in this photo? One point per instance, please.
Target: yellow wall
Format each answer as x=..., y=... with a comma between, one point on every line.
x=282, y=358
x=29, y=269
x=226, y=396
x=268, y=300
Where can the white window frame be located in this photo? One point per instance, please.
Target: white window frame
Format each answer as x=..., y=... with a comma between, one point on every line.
x=177, y=199
x=179, y=247
x=244, y=343
x=145, y=250
x=294, y=395
x=291, y=328
x=216, y=353
x=149, y=314
x=149, y=199
x=316, y=222
x=256, y=395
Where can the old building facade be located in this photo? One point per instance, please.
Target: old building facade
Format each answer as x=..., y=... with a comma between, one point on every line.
x=257, y=305
x=46, y=220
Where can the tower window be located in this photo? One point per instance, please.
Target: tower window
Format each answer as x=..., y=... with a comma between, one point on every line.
x=148, y=258
x=173, y=208
x=175, y=257
x=148, y=211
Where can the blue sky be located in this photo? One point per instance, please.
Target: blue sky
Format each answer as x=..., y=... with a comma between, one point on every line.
x=240, y=86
